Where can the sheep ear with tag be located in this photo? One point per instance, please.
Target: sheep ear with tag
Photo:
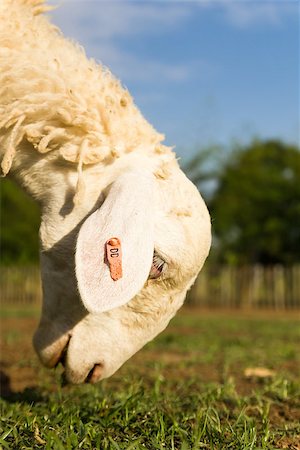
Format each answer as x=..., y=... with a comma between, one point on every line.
x=126, y=215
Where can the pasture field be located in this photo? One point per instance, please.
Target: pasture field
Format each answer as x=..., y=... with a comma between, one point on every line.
x=185, y=390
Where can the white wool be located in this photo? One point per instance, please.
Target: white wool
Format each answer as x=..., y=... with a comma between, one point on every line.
x=58, y=100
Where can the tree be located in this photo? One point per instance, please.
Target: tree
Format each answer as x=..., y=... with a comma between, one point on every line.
x=19, y=226
x=204, y=167
x=255, y=208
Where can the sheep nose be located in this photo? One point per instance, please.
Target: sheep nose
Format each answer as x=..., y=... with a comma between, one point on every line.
x=95, y=374
x=60, y=356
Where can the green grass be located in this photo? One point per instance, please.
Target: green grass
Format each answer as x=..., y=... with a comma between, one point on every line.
x=186, y=390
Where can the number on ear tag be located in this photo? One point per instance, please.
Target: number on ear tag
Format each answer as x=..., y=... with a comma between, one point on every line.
x=114, y=258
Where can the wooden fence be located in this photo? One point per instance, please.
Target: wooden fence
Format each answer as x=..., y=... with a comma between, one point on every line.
x=276, y=287
x=20, y=285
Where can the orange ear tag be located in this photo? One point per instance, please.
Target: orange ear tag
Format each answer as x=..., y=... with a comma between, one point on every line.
x=114, y=258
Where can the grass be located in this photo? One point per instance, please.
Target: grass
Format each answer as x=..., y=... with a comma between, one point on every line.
x=185, y=390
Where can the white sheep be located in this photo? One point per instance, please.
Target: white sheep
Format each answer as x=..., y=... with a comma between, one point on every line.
x=71, y=135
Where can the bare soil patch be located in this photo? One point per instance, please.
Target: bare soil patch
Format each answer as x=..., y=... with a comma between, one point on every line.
x=18, y=362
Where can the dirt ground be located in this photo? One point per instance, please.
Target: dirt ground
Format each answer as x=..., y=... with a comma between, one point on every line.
x=18, y=362
x=20, y=368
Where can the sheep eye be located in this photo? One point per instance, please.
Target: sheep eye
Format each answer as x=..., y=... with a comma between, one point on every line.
x=158, y=266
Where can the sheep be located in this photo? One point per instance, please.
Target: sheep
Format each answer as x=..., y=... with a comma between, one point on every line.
x=72, y=137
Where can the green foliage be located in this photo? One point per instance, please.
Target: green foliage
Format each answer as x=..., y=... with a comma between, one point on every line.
x=204, y=167
x=215, y=419
x=19, y=225
x=256, y=206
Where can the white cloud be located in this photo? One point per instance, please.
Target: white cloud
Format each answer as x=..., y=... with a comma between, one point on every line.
x=111, y=19
x=246, y=13
x=125, y=65
x=100, y=25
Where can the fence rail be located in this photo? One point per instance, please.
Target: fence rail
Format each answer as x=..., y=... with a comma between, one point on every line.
x=275, y=287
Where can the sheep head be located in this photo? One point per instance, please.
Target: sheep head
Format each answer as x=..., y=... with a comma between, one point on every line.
x=72, y=136
x=90, y=321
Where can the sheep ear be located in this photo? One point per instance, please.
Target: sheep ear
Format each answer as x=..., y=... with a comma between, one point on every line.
x=126, y=214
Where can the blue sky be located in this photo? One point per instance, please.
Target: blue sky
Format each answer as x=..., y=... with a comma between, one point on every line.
x=202, y=72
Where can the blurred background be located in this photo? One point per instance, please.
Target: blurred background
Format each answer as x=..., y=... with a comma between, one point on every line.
x=221, y=80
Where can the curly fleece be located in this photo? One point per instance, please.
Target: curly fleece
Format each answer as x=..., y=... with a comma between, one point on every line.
x=58, y=100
